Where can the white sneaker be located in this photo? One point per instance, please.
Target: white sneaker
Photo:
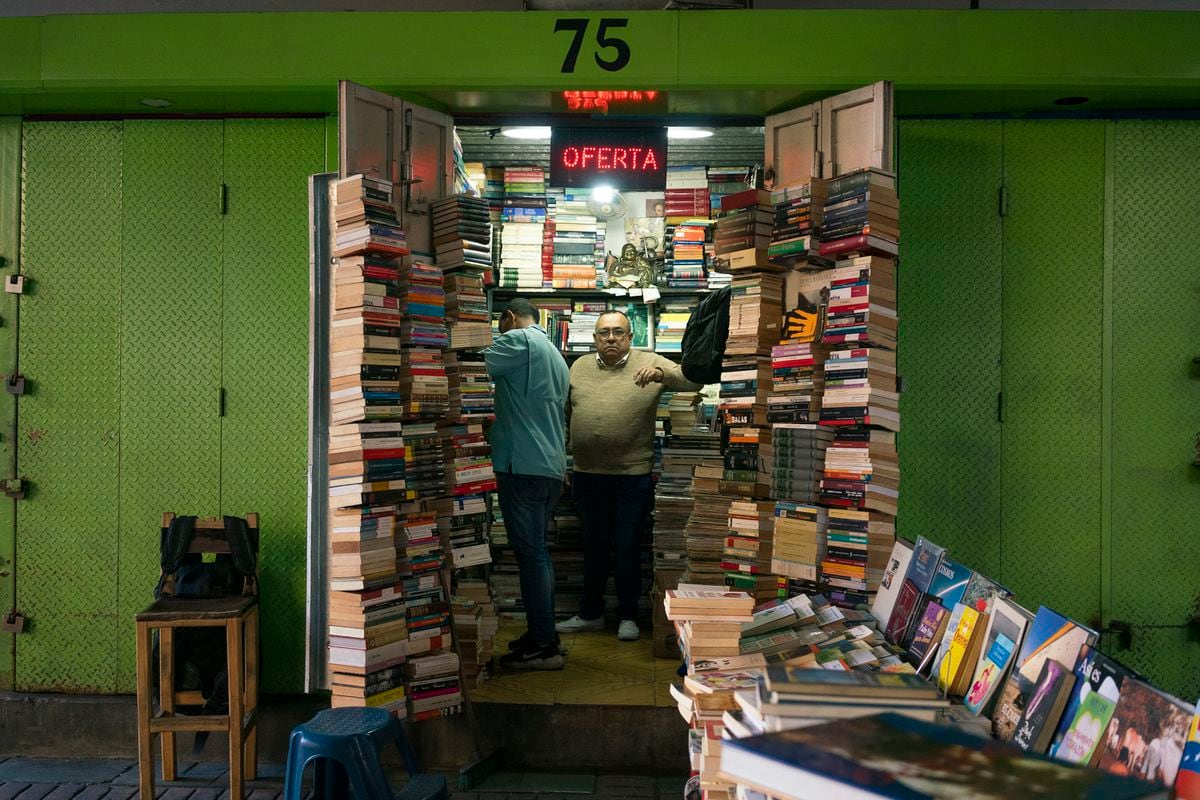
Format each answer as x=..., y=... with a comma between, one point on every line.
x=628, y=632
x=577, y=623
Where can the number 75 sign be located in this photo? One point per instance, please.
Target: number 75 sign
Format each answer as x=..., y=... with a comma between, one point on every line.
x=609, y=50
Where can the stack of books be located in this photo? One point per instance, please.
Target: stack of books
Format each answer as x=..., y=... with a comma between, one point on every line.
x=470, y=469
x=471, y=396
x=493, y=193
x=671, y=322
x=687, y=268
x=746, y=382
x=522, y=234
x=424, y=456
x=368, y=645
x=799, y=451
x=723, y=181
x=418, y=541
x=364, y=218
x=673, y=499
x=581, y=330
x=573, y=261
x=475, y=625
x=462, y=235
x=708, y=523
x=797, y=382
x=600, y=254
x=755, y=314
x=749, y=545
x=748, y=456
x=857, y=546
x=687, y=191
x=798, y=210
x=467, y=311
x=744, y=229
x=433, y=689
x=799, y=541
x=463, y=525
x=424, y=387
x=861, y=214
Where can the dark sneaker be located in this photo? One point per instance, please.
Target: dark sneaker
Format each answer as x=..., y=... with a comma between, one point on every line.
x=532, y=657
x=523, y=640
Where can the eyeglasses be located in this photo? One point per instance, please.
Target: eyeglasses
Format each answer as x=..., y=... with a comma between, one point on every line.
x=615, y=333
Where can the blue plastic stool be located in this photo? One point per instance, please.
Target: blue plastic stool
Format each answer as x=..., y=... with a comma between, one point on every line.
x=346, y=743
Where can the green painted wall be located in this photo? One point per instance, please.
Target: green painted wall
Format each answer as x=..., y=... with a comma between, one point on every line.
x=290, y=61
x=158, y=302
x=1081, y=304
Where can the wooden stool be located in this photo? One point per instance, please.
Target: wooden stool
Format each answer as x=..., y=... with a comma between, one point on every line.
x=239, y=616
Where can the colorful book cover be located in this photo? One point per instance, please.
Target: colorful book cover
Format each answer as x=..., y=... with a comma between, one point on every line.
x=1145, y=737
x=1036, y=726
x=982, y=592
x=989, y=673
x=889, y=584
x=890, y=755
x=921, y=569
x=1008, y=619
x=957, y=658
x=1050, y=636
x=1086, y=716
x=928, y=628
x=949, y=582
x=903, y=612
x=1187, y=781
x=923, y=566
x=947, y=637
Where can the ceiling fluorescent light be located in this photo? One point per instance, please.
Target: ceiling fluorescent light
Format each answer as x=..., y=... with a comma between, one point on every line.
x=689, y=133
x=527, y=132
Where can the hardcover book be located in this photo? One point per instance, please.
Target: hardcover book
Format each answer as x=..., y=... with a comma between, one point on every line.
x=929, y=634
x=1098, y=682
x=1146, y=735
x=1050, y=636
x=921, y=570
x=889, y=584
x=989, y=672
x=1037, y=724
x=1009, y=620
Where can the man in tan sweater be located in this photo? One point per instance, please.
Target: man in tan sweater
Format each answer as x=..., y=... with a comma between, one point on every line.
x=610, y=419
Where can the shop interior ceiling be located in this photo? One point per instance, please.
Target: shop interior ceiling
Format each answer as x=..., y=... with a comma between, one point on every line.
x=15, y=8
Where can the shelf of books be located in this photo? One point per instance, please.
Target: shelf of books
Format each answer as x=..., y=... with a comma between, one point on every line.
x=410, y=467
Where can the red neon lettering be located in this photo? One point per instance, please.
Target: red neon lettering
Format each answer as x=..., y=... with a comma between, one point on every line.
x=619, y=158
x=604, y=159
x=649, y=162
x=634, y=152
x=651, y=95
x=570, y=157
x=588, y=152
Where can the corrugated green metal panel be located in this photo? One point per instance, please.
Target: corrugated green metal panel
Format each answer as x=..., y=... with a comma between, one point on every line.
x=69, y=423
x=1053, y=262
x=10, y=239
x=170, y=346
x=1156, y=392
x=949, y=275
x=265, y=363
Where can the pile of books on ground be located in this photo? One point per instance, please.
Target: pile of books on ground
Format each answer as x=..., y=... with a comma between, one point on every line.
x=475, y=625
x=708, y=524
x=433, y=686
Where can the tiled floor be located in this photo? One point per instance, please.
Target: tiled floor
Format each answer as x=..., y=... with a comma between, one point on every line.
x=600, y=670
x=116, y=779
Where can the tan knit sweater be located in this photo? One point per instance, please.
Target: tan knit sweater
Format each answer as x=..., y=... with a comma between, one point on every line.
x=610, y=419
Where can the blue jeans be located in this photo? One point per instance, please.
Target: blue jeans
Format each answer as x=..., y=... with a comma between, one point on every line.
x=527, y=502
x=613, y=510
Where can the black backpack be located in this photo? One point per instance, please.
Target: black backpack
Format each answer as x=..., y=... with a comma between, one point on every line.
x=704, y=338
x=200, y=651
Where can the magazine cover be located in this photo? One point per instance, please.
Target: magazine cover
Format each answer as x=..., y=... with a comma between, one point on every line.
x=1087, y=716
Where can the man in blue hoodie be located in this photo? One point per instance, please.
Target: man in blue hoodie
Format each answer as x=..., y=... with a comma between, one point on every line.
x=529, y=455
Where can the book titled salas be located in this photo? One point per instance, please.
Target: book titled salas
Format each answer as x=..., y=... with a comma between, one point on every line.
x=1098, y=682
x=893, y=756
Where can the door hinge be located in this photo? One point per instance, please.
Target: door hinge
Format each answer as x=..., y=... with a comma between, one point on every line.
x=1002, y=201
x=221, y=402
x=14, y=488
x=224, y=198
x=1000, y=407
x=13, y=622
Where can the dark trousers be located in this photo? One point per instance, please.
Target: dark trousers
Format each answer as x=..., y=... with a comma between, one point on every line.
x=527, y=503
x=613, y=510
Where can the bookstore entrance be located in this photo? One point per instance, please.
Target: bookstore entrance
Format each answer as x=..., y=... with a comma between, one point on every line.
x=607, y=203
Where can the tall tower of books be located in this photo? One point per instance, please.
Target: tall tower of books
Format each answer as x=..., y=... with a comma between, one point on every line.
x=407, y=468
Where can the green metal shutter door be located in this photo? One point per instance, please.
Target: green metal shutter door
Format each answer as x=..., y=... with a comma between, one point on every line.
x=265, y=362
x=170, y=345
x=949, y=281
x=69, y=422
x=1052, y=315
x=1156, y=396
